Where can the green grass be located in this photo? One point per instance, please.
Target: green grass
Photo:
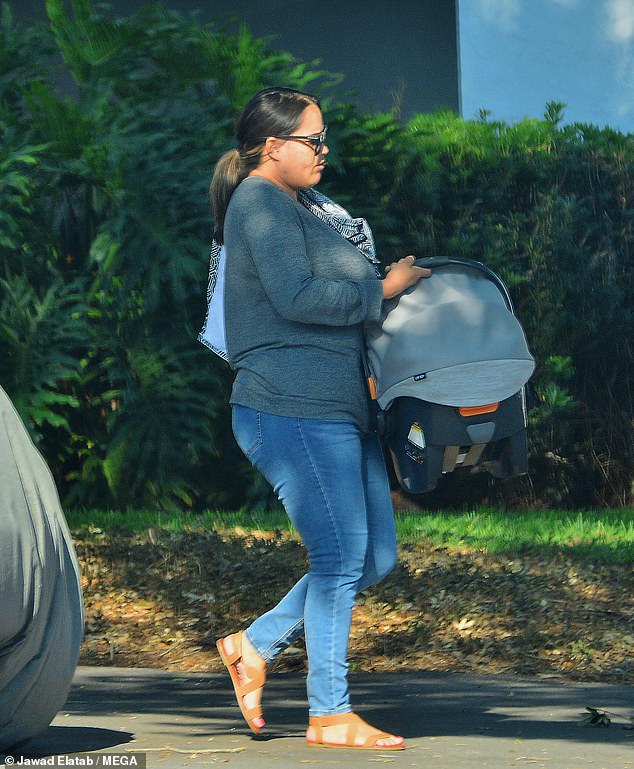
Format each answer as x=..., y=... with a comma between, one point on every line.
x=142, y=520
x=600, y=535
x=605, y=535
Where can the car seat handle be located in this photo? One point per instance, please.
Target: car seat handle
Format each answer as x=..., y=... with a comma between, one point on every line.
x=432, y=262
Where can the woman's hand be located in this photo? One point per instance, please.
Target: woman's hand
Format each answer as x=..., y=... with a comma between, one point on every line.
x=401, y=275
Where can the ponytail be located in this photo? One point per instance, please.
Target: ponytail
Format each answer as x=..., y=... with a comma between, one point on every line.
x=230, y=170
x=271, y=112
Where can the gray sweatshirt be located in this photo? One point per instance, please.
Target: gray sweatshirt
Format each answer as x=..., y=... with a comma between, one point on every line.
x=297, y=295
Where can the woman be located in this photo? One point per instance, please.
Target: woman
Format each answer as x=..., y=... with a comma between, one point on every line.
x=296, y=297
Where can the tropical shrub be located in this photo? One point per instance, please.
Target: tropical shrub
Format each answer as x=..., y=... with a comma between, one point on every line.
x=104, y=235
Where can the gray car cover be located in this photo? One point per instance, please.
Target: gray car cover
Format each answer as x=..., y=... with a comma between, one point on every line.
x=452, y=339
x=41, y=611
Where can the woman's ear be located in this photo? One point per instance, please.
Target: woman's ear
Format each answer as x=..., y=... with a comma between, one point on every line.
x=272, y=148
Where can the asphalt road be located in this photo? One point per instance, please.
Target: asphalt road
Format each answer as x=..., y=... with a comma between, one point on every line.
x=154, y=718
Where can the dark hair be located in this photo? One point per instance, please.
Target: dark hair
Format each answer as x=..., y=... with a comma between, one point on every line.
x=270, y=112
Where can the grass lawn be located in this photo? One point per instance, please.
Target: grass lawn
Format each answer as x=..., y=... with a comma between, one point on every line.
x=484, y=591
x=596, y=535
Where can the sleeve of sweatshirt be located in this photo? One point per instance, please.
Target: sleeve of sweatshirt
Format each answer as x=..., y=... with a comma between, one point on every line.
x=276, y=241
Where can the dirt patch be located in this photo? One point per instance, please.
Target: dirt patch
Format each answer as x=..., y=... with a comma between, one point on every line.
x=161, y=599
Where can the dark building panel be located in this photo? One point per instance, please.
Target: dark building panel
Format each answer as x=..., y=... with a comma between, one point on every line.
x=391, y=52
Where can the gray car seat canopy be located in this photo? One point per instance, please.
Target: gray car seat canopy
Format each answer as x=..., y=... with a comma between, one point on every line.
x=452, y=339
x=41, y=619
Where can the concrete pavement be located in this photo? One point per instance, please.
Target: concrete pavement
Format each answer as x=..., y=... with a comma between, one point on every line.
x=450, y=721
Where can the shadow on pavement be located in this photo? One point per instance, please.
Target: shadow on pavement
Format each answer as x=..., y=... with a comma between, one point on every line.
x=71, y=739
x=412, y=704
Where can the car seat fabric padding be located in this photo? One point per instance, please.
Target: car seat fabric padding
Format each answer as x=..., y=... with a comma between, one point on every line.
x=451, y=340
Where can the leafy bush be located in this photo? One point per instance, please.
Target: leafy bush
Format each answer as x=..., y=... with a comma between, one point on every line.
x=551, y=210
x=104, y=240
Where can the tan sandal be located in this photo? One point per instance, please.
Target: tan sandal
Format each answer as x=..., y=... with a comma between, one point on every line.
x=353, y=722
x=241, y=689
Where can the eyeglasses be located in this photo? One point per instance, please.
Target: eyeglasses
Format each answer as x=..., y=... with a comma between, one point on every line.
x=317, y=141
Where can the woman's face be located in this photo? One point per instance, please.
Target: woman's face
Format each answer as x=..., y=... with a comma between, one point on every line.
x=292, y=163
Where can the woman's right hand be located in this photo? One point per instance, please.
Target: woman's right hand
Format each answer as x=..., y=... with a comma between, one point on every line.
x=401, y=275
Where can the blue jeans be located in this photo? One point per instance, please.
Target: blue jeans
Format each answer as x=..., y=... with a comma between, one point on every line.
x=332, y=481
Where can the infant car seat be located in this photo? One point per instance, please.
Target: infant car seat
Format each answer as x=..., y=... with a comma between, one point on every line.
x=449, y=365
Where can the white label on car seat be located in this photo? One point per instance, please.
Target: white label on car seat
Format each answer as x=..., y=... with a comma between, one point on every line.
x=416, y=436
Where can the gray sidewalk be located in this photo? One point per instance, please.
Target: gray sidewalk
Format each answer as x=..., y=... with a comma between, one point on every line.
x=450, y=721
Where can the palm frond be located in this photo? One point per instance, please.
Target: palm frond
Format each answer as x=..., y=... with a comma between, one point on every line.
x=87, y=40
x=42, y=336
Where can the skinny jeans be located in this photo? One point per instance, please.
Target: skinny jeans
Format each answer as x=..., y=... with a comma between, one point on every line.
x=332, y=481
